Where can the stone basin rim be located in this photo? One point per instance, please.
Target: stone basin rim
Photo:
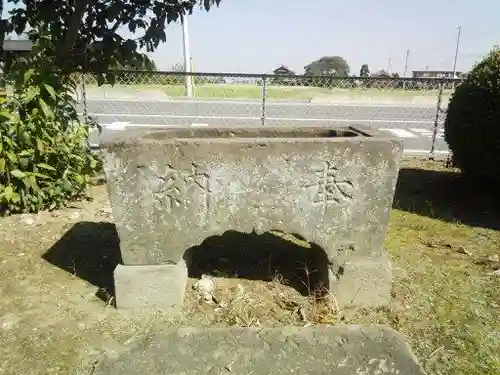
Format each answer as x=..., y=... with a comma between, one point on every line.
x=351, y=134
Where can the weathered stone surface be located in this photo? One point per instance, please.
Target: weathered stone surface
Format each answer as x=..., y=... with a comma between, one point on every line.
x=154, y=286
x=365, y=282
x=339, y=350
x=170, y=190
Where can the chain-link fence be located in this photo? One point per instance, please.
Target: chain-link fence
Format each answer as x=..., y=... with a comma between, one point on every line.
x=413, y=109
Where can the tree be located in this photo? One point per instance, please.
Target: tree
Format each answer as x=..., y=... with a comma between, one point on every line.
x=471, y=124
x=395, y=75
x=44, y=158
x=329, y=66
x=87, y=32
x=364, y=71
x=44, y=161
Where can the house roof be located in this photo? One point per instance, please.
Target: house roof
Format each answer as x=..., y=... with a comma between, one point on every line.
x=17, y=45
x=283, y=68
x=381, y=73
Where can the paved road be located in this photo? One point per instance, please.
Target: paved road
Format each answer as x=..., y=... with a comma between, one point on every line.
x=412, y=123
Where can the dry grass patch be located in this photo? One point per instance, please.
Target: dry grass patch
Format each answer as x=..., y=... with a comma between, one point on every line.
x=249, y=303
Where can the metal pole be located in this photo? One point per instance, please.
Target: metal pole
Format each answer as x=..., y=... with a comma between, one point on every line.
x=264, y=95
x=406, y=67
x=456, y=53
x=187, y=57
x=406, y=62
x=436, y=121
x=83, y=97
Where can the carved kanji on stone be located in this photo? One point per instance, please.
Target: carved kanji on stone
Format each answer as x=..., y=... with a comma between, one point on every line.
x=171, y=192
x=202, y=181
x=328, y=187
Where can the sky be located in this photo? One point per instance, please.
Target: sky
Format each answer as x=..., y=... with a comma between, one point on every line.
x=257, y=36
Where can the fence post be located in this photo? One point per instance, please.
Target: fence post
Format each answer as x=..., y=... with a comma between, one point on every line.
x=84, y=98
x=436, y=120
x=264, y=95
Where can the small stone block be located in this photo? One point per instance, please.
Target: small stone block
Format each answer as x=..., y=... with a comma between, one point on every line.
x=366, y=282
x=152, y=286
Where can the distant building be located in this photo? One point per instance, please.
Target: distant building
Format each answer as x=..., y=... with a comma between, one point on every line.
x=17, y=45
x=381, y=73
x=281, y=78
x=15, y=48
x=18, y=49
x=435, y=74
x=21, y=46
x=283, y=70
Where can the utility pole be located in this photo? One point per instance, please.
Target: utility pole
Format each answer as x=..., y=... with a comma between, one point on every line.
x=187, y=57
x=406, y=62
x=456, y=53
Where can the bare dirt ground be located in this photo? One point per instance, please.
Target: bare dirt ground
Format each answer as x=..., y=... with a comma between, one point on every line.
x=57, y=314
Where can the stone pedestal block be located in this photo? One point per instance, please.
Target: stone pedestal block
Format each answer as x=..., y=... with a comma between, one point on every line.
x=152, y=286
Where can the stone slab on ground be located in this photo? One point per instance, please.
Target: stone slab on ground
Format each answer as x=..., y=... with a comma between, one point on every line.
x=339, y=350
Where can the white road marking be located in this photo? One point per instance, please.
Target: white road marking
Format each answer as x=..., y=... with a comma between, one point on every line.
x=428, y=133
x=155, y=126
x=309, y=119
x=124, y=125
x=117, y=125
x=418, y=152
x=421, y=131
x=401, y=133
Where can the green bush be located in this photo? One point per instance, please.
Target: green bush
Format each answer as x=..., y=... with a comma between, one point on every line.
x=44, y=158
x=472, y=125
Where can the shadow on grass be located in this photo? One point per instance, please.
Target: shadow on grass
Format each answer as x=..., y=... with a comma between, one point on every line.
x=444, y=195
x=261, y=257
x=90, y=251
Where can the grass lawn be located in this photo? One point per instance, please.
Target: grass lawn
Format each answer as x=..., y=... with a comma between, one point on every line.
x=443, y=240
x=245, y=91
